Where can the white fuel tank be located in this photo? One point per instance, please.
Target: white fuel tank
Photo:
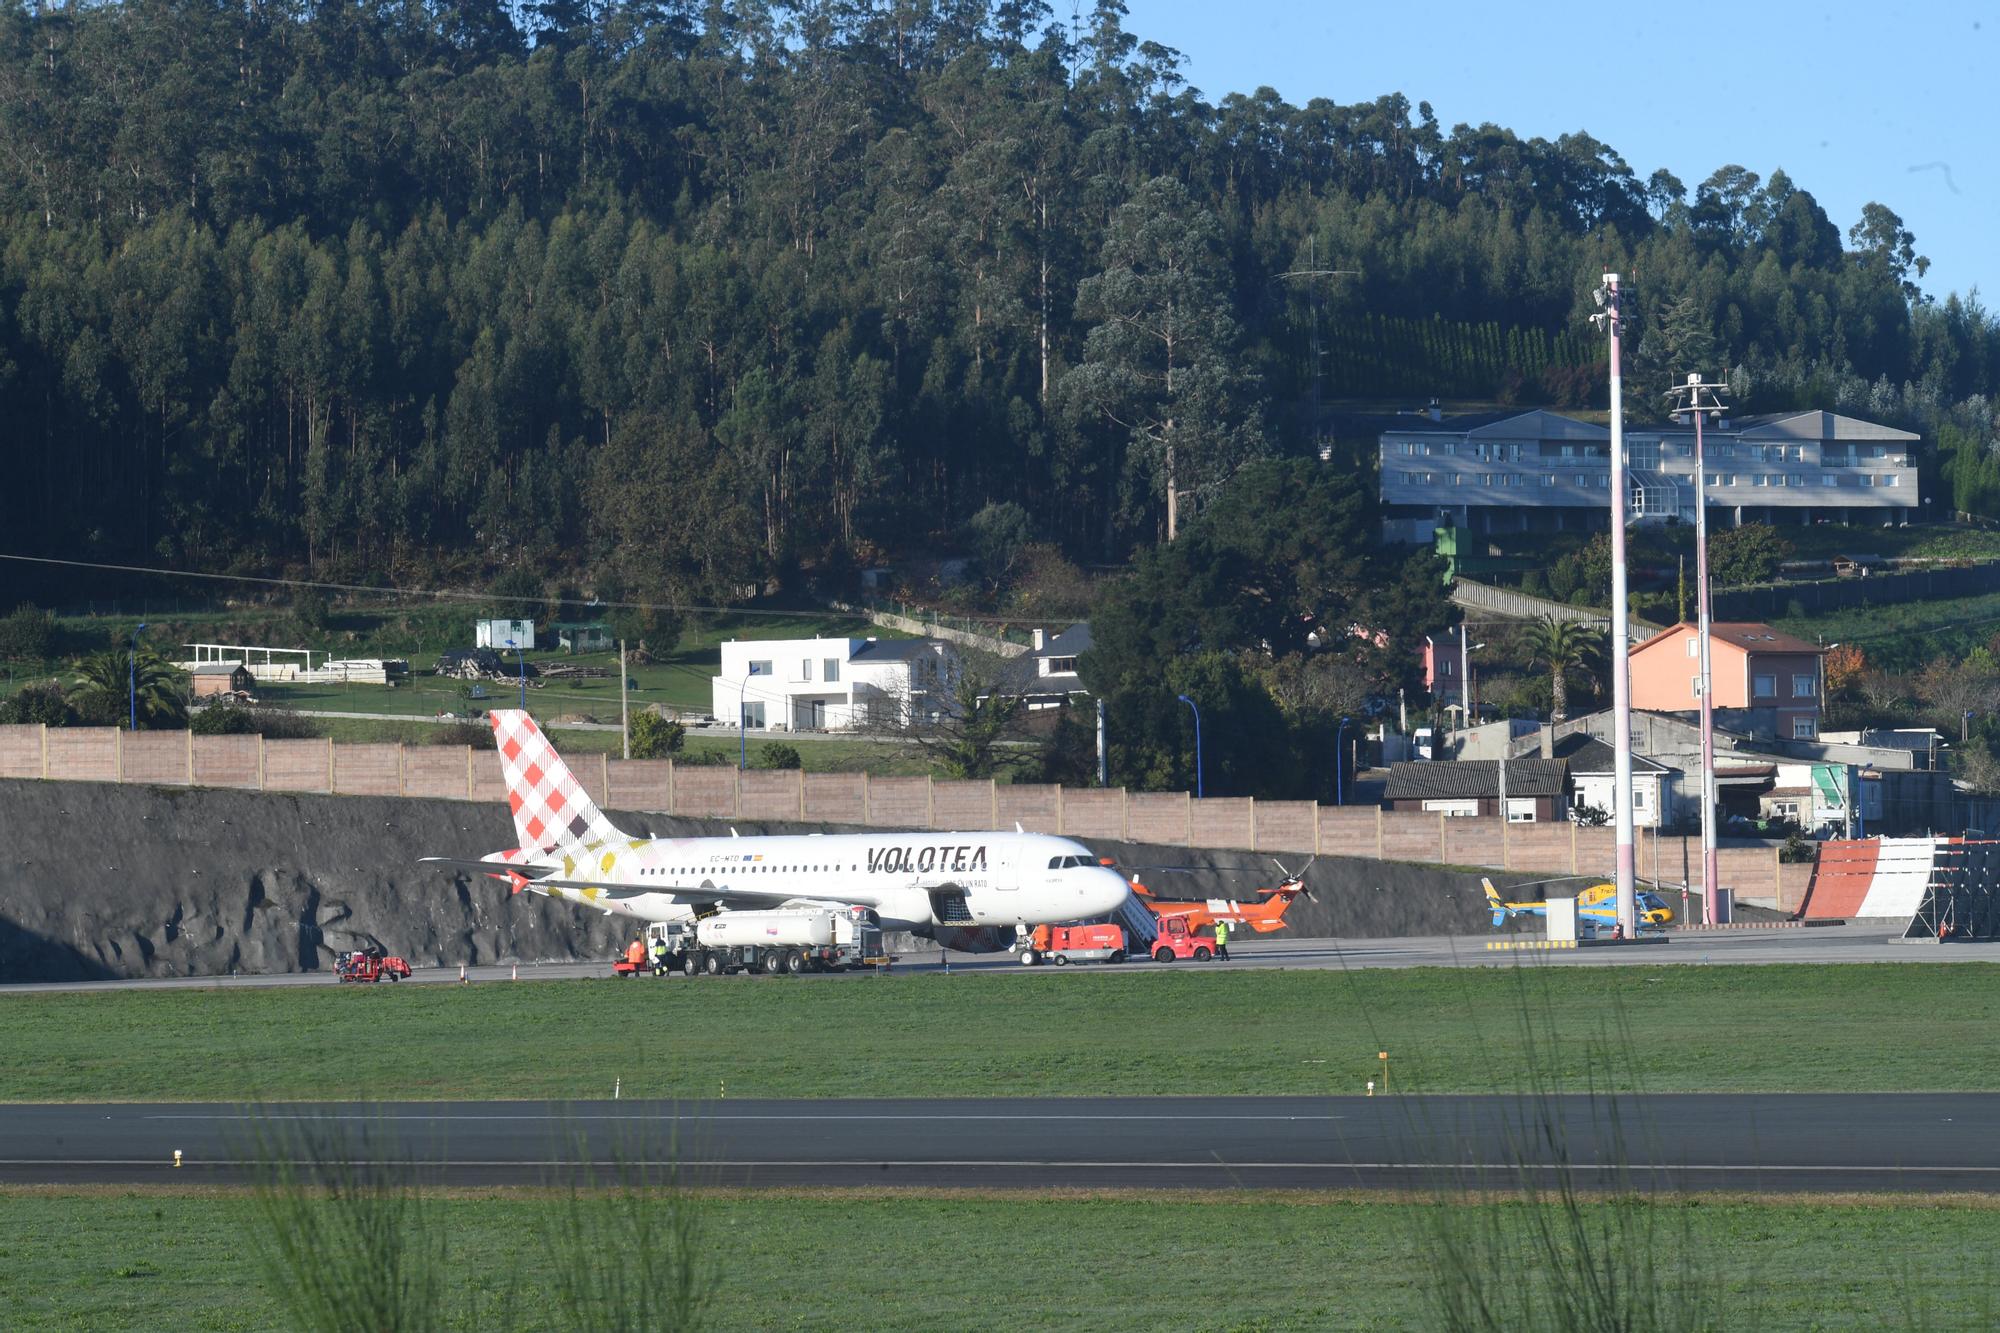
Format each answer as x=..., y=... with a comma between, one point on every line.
x=725, y=929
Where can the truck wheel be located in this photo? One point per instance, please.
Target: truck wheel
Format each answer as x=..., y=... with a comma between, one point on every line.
x=1201, y=953
x=1117, y=956
x=1163, y=954
x=1062, y=960
x=774, y=963
x=795, y=963
x=711, y=963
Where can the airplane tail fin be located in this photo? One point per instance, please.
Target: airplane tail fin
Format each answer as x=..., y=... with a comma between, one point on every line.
x=1269, y=914
x=552, y=812
x=1494, y=901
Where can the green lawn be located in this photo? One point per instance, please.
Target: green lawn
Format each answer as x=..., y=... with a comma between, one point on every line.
x=146, y=1260
x=1904, y=636
x=1691, y=1028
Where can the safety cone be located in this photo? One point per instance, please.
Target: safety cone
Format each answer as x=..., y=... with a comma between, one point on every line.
x=517, y=972
x=461, y=974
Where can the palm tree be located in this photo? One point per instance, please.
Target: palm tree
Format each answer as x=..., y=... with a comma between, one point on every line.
x=1563, y=646
x=157, y=686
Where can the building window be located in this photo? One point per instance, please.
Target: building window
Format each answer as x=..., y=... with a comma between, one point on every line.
x=1456, y=809
x=830, y=671
x=1694, y=645
x=1521, y=810
x=1894, y=481
x=1694, y=687
x=753, y=716
x=1829, y=480
x=1795, y=480
x=1062, y=666
x=806, y=669
x=1804, y=729
x=1802, y=687
x=1763, y=479
x=1725, y=451
x=1639, y=799
x=1548, y=479
x=1766, y=687
x=760, y=668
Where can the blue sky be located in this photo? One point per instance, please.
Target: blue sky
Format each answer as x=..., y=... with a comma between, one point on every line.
x=1856, y=102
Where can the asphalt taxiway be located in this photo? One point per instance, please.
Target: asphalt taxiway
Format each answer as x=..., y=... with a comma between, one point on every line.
x=1753, y=1142
x=1853, y=943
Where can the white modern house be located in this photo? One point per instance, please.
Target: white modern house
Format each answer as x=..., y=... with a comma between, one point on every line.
x=830, y=684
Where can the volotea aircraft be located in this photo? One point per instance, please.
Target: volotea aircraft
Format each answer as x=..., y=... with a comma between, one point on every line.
x=1597, y=904
x=976, y=892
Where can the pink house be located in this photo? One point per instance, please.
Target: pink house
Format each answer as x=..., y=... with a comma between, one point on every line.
x=1757, y=670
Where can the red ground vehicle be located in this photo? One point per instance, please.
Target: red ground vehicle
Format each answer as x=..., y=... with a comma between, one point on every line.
x=1065, y=944
x=1176, y=941
x=367, y=965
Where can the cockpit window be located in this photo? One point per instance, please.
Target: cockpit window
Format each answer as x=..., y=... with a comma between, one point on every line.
x=1055, y=863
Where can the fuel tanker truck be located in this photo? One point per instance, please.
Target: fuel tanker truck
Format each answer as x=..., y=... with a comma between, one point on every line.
x=791, y=940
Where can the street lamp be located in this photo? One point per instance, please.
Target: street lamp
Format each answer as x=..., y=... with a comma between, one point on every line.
x=742, y=722
x=1197, y=743
x=524, y=672
x=1339, y=754
x=132, y=681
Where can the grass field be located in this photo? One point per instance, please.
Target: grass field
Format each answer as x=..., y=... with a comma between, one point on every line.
x=1903, y=637
x=1778, y=1028
x=132, y=1259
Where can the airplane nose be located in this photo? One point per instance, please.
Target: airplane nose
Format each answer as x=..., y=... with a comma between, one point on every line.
x=1108, y=892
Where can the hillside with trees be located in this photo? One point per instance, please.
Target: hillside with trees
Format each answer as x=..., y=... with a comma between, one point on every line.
x=679, y=295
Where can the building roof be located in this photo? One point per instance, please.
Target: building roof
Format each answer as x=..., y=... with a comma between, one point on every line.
x=1533, y=424
x=895, y=650
x=1751, y=636
x=1467, y=779
x=1584, y=753
x=217, y=669
x=1072, y=641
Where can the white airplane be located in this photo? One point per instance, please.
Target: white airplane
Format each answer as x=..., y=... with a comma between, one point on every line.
x=975, y=892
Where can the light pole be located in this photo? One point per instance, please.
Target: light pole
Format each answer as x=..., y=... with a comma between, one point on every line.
x=1197, y=744
x=1608, y=318
x=743, y=722
x=1465, y=680
x=523, y=652
x=132, y=681
x=1339, y=755
x=1701, y=400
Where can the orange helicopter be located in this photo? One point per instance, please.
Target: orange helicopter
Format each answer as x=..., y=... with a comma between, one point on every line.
x=1263, y=916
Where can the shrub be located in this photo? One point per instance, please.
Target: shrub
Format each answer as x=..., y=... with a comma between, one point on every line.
x=28, y=634
x=43, y=703
x=223, y=720
x=777, y=754
x=474, y=734
x=656, y=737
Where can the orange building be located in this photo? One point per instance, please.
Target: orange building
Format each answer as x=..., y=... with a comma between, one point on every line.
x=1766, y=683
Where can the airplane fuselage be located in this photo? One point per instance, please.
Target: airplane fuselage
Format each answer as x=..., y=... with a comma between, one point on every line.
x=912, y=881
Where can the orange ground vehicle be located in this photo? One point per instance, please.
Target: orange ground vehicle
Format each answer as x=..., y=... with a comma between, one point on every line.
x=367, y=965
x=1178, y=940
x=1083, y=944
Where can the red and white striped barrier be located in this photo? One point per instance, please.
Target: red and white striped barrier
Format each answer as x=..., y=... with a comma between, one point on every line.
x=1871, y=877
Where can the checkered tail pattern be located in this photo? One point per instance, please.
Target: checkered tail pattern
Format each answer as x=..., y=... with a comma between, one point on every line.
x=552, y=812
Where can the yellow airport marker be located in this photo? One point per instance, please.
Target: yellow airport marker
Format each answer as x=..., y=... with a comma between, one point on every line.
x=177, y=1158
x=1383, y=1056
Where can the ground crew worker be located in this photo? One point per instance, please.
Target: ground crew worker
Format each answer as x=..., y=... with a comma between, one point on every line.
x=636, y=955
x=1222, y=939
x=660, y=956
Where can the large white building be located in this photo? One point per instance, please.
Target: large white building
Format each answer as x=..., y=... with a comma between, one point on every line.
x=830, y=684
x=1535, y=470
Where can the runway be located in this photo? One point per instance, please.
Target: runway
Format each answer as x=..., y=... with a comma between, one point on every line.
x=1854, y=943
x=1751, y=1142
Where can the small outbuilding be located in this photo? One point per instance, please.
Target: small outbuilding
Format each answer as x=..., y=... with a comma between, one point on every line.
x=508, y=634
x=208, y=679
x=572, y=638
x=1537, y=789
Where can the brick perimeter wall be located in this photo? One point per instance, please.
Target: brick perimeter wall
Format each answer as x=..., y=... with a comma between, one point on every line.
x=714, y=791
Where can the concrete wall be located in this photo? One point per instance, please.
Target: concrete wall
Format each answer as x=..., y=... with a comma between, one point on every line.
x=707, y=791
